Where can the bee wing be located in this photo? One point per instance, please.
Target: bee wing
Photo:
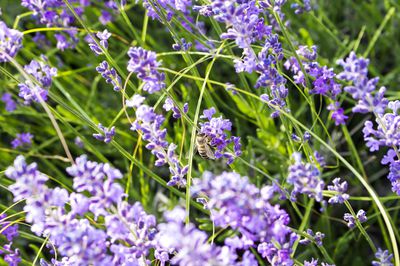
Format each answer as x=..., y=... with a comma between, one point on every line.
x=210, y=153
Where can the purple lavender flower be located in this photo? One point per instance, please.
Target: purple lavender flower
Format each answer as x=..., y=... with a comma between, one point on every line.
x=317, y=238
x=337, y=113
x=233, y=201
x=351, y=220
x=305, y=178
x=78, y=142
x=169, y=105
x=148, y=123
x=278, y=256
x=107, y=134
x=10, y=42
x=300, y=9
x=110, y=75
x=184, y=46
x=144, y=64
x=103, y=37
x=135, y=101
x=166, y=6
x=188, y=244
x=11, y=257
x=129, y=234
x=43, y=74
x=383, y=258
x=7, y=230
x=313, y=262
x=22, y=140
x=356, y=71
x=215, y=129
x=340, y=188
x=11, y=105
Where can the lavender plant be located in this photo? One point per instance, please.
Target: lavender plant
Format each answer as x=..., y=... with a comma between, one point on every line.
x=295, y=104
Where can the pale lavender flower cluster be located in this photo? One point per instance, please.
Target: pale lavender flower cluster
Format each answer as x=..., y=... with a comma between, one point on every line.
x=341, y=189
x=10, y=256
x=317, y=238
x=323, y=79
x=10, y=42
x=107, y=134
x=129, y=233
x=383, y=258
x=305, y=178
x=149, y=124
x=233, y=201
x=11, y=105
x=22, y=140
x=110, y=75
x=215, y=129
x=351, y=220
x=169, y=105
x=144, y=64
x=37, y=90
x=103, y=37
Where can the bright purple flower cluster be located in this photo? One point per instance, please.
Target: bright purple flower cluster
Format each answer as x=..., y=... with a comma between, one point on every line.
x=148, y=123
x=43, y=75
x=11, y=256
x=383, y=258
x=341, y=189
x=323, y=79
x=317, y=238
x=11, y=105
x=110, y=75
x=245, y=24
x=305, y=178
x=10, y=42
x=103, y=40
x=233, y=201
x=169, y=105
x=144, y=64
x=129, y=233
x=351, y=220
x=107, y=134
x=22, y=140
x=169, y=7
x=215, y=128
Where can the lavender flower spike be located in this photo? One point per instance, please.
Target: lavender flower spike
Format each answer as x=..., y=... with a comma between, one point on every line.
x=110, y=75
x=144, y=64
x=103, y=40
x=340, y=188
x=10, y=42
x=106, y=135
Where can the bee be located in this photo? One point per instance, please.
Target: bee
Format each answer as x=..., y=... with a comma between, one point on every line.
x=203, y=146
